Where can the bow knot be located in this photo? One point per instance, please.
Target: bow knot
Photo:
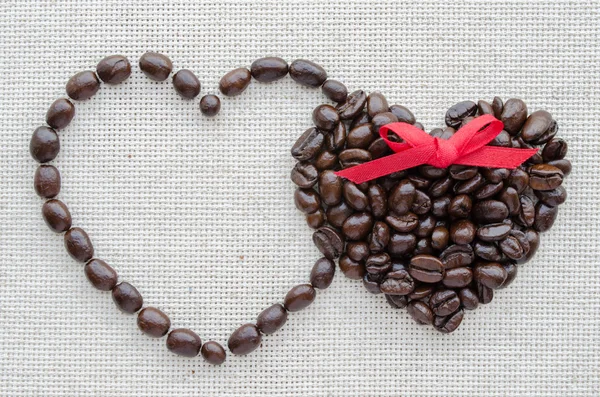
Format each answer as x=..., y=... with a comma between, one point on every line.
x=445, y=153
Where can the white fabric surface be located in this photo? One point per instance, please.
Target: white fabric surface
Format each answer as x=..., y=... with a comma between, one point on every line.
x=198, y=213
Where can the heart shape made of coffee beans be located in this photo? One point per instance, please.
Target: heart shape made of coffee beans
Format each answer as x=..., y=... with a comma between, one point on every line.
x=437, y=241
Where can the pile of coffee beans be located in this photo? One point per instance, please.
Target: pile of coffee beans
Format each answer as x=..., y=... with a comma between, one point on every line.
x=436, y=241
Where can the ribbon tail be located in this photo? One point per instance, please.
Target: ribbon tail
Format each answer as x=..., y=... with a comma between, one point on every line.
x=496, y=157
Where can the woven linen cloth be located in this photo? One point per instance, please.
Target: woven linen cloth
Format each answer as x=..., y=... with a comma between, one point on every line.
x=198, y=213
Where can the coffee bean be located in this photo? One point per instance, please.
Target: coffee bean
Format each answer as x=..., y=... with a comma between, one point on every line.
x=403, y=114
x=518, y=179
x=359, y=119
x=213, y=353
x=493, y=232
x=425, y=226
x=397, y=282
x=444, y=302
x=354, y=197
x=490, y=211
x=83, y=85
x=485, y=108
x=441, y=187
x=307, y=73
x=235, y=82
x=335, y=90
x=397, y=301
x=354, y=104
x=378, y=264
x=78, y=244
x=46, y=181
x=503, y=139
x=526, y=215
x=511, y=271
x=488, y=190
x=457, y=256
x=308, y=145
x=484, y=294
x=510, y=197
x=460, y=206
x=462, y=231
x=487, y=251
x=56, y=215
x=184, y=342
x=419, y=182
x=563, y=165
x=305, y=175
x=422, y=203
x=539, y=125
x=420, y=312
x=468, y=298
x=186, y=84
x=210, y=105
x=269, y=69
x=421, y=291
x=44, y=144
x=470, y=185
x=376, y=103
x=440, y=238
x=299, y=297
x=515, y=246
x=379, y=237
x=544, y=217
x=514, y=114
x=100, y=274
x=497, y=106
x=402, y=197
x=401, y=244
x=352, y=269
x=156, y=66
x=60, y=113
x=307, y=200
x=244, y=340
x=377, y=200
x=329, y=242
x=113, y=69
x=153, y=322
x=326, y=160
x=449, y=323
x=322, y=273
x=357, y=250
x=545, y=177
x=381, y=119
x=403, y=223
x=551, y=198
x=271, y=319
x=431, y=172
x=316, y=219
x=458, y=277
x=325, y=117
x=357, y=226
x=336, y=140
x=127, y=298
x=533, y=238
x=489, y=274
x=351, y=157
x=456, y=114
x=424, y=247
x=361, y=136
x=440, y=206
x=462, y=172
x=426, y=268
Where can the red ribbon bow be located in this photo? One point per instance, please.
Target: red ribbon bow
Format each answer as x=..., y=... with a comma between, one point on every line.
x=465, y=147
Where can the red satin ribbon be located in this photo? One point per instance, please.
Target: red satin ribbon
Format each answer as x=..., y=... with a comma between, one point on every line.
x=465, y=147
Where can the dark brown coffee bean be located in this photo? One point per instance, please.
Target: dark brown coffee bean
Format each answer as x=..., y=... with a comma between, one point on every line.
x=352, y=269
x=271, y=319
x=184, y=342
x=244, y=340
x=357, y=250
x=444, y=302
x=484, y=294
x=421, y=291
x=503, y=139
x=113, y=69
x=488, y=190
x=308, y=145
x=422, y=203
x=330, y=187
x=357, y=226
x=563, y=165
x=307, y=200
x=449, y=323
x=351, y=157
x=419, y=182
x=299, y=297
x=456, y=114
x=335, y=90
x=515, y=246
x=379, y=237
x=487, y=251
x=78, y=244
x=305, y=175
x=329, y=242
x=484, y=108
x=555, y=149
x=100, y=274
x=60, y=113
x=511, y=271
x=336, y=140
x=403, y=223
x=361, y=136
x=440, y=238
x=44, y=145
x=316, y=219
x=153, y=322
x=337, y=215
x=354, y=104
x=460, y=206
x=518, y=179
x=235, y=82
x=431, y=172
x=458, y=277
x=420, y=312
x=402, y=197
x=381, y=119
x=545, y=177
x=397, y=301
x=425, y=226
x=497, y=106
x=426, y=268
x=325, y=117
x=552, y=198
x=510, y=197
x=490, y=211
x=210, y=105
x=269, y=69
x=533, y=238
x=378, y=264
x=468, y=298
x=526, y=215
x=489, y=274
x=462, y=172
x=514, y=114
x=493, y=232
x=213, y=353
x=326, y=160
x=401, y=244
x=544, y=217
x=376, y=103
x=457, y=256
x=440, y=206
x=56, y=215
x=322, y=273
x=186, y=84
x=156, y=66
x=127, y=298
x=397, y=282
x=361, y=118
x=83, y=85
x=354, y=197
x=538, y=125
x=424, y=247
x=307, y=73
x=462, y=231
x=403, y=114
x=441, y=187
x=46, y=181
x=377, y=200
x=469, y=186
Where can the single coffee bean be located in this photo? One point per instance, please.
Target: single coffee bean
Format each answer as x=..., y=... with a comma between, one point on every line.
x=56, y=215
x=299, y=297
x=307, y=73
x=490, y=211
x=493, y=232
x=403, y=223
x=269, y=69
x=431, y=172
x=184, y=342
x=307, y=200
x=113, y=69
x=440, y=238
x=533, y=238
x=213, y=353
x=425, y=226
x=397, y=301
x=449, y=323
x=440, y=206
x=460, y=206
x=379, y=237
x=457, y=256
x=186, y=84
x=235, y=82
x=552, y=198
x=127, y=298
x=511, y=271
x=330, y=187
x=555, y=149
x=376, y=103
x=153, y=322
x=325, y=117
x=335, y=91
x=354, y=197
x=514, y=114
x=371, y=284
x=305, y=175
x=210, y=105
x=308, y=145
x=336, y=140
x=322, y=273
x=421, y=291
x=468, y=298
x=515, y=246
x=545, y=177
x=377, y=200
x=422, y=203
x=518, y=179
x=469, y=186
x=497, y=106
x=487, y=251
x=462, y=172
x=441, y=187
x=458, y=277
x=510, y=197
x=357, y=250
x=503, y=139
x=60, y=113
x=490, y=274
x=357, y=226
x=419, y=182
x=424, y=247
x=402, y=197
x=359, y=119
x=156, y=66
x=378, y=264
x=337, y=214
x=44, y=145
x=354, y=104
x=352, y=269
x=381, y=119
x=397, y=282
x=444, y=302
x=83, y=85
x=563, y=165
x=271, y=319
x=488, y=190
x=403, y=114
x=485, y=108
x=484, y=294
x=538, y=124
x=329, y=242
x=361, y=136
x=544, y=217
x=316, y=219
x=78, y=244
x=326, y=160
x=420, y=312
x=244, y=340
x=46, y=181
x=426, y=268
x=456, y=114
x=100, y=274
x=526, y=215
x=401, y=244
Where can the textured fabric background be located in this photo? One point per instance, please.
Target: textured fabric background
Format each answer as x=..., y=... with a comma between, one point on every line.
x=198, y=213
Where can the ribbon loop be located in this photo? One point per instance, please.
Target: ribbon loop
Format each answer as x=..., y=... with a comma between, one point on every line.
x=446, y=153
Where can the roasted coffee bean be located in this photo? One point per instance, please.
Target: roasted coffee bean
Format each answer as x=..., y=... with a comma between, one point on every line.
x=113, y=69
x=244, y=340
x=422, y=203
x=153, y=322
x=457, y=256
x=308, y=145
x=351, y=157
x=503, y=139
x=337, y=215
x=127, y=298
x=515, y=246
x=421, y=291
x=46, y=181
x=78, y=244
x=316, y=219
x=305, y=175
x=497, y=106
x=493, y=232
x=555, y=149
x=358, y=250
x=460, y=206
x=325, y=117
x=425, y=226
x=156, y=66
x=484, y=294
x=545, y=177
x=397, y=282
x=354, y=104
x=100, y=274
x=354, y=197
x=511, y=271
x=403, y=223
x=271, y=319
x=326, y=160
x=469, y=186
x=330, y=187
x=83, y=85
x=358, y=226
x=186, y=84
x=468, y=298
x=533, y=238
x=462, y=231
x=210, y=105
x=552, y=198
x=487, y=251
x=420, y=312
x=213, y=353
x=397, y=301
x=514, y=114
x=235, y=82
x=419, y=182
x=440, y=238
x=184, y=342
x=376, y=103
x=489, y=274
x=377, y=201
x=484, y=107
x=456, y=114
x=440, y=206
x=44, y=144
x=462, y=172
x=403, y=114
x=490, y=211
x=440, y=187
x=563, y=165
x=307, y=73
x=335, y=90
x=449, y=323
x=60, y=113
x=431, y=172
x=510, y=197
x=56, y=215
x=361, y=136
x=307, y=200
x=544, y=217
x=488, y=190
x=379, y=237
x=352, y=269
x=378, y=264
x=370, y=284
x=426, y=268
x=526, y=215
x=379, y=148
x=444, y=302
x=458, y=277
x=402, y=197
x=424, y=247
x=329, y=242
x=299, y=297
x=518, y=179
x=539, y=125
x=401, y=244
x=361, y=118
x=269, y=69
x=322, y=274
x=336, y=140
x=381, y=119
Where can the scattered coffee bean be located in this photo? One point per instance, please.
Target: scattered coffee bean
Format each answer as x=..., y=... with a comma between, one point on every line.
x=100, y=274
x=210, y=105
x=127, y=298
x=60, y=114
x=44, y=144
x=114, y=69
x=244, y=340
x=325, y=117
x=269, y=69
x=186, y=84
x=307, y=73
x=156, y=66
x=271, y=319
x=235, y=82
x=335, y=91
x=153, y=322
x=56, y=215
x=184, y=342
x=213, y=353
x=83, y=85
x=78, y=244
x=46, y=181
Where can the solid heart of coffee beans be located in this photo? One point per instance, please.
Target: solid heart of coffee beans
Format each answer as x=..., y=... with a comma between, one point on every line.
x=435, y=222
